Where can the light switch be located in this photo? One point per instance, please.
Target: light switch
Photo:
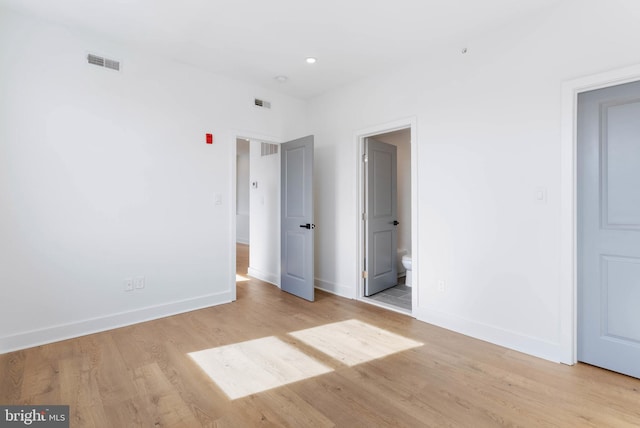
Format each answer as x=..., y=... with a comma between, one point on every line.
x=541, y=195
x=218, y=199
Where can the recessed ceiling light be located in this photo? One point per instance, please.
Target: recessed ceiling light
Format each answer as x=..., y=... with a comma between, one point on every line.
x=311, y=60
x=281, y=79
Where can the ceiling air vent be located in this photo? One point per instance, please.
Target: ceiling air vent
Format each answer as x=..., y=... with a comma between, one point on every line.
x=103, y=62
x=262, y=103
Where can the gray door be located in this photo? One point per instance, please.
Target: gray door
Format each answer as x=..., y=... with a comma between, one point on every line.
x=609, y=228
x=381, y=216
x=297, y=218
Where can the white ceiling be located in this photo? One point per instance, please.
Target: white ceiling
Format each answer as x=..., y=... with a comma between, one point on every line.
x=256, y=40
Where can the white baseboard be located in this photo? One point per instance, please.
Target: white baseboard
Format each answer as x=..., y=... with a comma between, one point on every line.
x=57, y=333
x=269, y=277
x=498, y=336
x=320, y=284
x=333, y=288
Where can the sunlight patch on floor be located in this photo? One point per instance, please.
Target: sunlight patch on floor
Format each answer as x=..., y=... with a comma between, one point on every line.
x=353, y=342
x=250, y=367
x=240, y=278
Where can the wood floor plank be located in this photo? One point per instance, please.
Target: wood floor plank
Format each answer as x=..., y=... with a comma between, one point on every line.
x=79, y=390
x=41, y=376
x=143, y=375
x=298, y=413
x=280, y=407
x=161, y=403
x=12, y=370
x=206, y=401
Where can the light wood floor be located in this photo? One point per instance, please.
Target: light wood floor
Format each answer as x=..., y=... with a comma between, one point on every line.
x=142, y=375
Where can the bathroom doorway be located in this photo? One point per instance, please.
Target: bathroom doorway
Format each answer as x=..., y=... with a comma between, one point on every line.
x=386, y=233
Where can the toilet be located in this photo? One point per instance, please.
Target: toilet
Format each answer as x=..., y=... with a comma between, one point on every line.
x=406, y=262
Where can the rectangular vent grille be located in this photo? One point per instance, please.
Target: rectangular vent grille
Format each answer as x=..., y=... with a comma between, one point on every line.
x=267, y=149
x=103, y=62
x=95, y=60
x=112, y=64
x=262, y=103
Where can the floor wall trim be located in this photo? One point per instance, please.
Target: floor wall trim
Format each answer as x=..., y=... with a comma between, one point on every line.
x=507, y=339
x=269, y=277
x=61, y=332
x=333, y=288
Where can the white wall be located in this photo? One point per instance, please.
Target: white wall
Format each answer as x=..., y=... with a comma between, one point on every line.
x=488, y=135
x=264, y=253
x=106, y=175
x=242, y=191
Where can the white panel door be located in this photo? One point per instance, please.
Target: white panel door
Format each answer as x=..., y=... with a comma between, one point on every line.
x=609, y=228
x=297, y=228
x=381, y=216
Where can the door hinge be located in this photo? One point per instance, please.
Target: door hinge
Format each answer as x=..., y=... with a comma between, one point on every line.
x=365, y=275
x=364, y=216
x=365, y=158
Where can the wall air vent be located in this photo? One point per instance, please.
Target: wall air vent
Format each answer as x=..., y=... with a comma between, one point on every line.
x=267, y=149
x=262, y=103
x=103, y=62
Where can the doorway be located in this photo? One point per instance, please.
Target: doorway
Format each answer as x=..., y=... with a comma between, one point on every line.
x=243, y=211
x=384, y=280
x=257, y=209
x=608, y=232
x=273, y=192
x=568, y=350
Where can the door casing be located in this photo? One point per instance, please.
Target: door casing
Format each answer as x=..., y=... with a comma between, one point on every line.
x=359, y=138
x=568, y=196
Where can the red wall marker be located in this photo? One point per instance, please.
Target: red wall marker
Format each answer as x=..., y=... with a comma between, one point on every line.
x=209, y=138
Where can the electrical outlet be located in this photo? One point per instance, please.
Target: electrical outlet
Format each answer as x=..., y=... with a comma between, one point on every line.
x=139, y=282
x=442, y=286
x=128, y=284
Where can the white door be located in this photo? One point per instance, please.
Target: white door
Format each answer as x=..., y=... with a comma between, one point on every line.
x=297, y=273
x=609, y=228
x=381, y=218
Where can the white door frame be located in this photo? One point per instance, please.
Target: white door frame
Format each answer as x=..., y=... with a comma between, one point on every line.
x=232, y=199
x=568, y=207
x=359, y=138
